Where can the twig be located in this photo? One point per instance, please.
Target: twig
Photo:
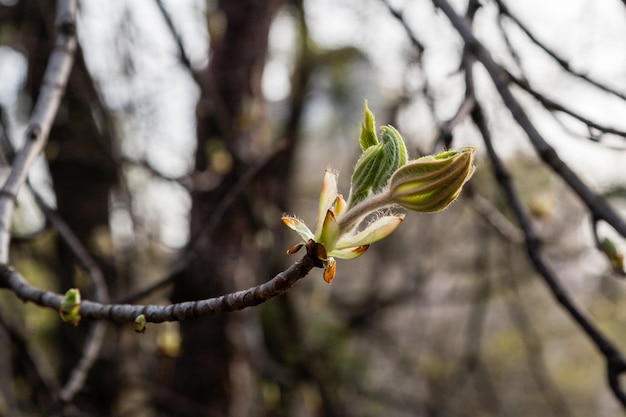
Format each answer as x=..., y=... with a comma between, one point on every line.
x=419, y=48
x=419, y=45
x=200, y=241
x=91, y=350
x=554, y=106
x=202, y=78
x=493, y=217
x=563, y=63
x=52, y=89
x=177, y=38
x=127, y=313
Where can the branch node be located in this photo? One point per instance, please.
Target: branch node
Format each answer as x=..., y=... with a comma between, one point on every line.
x=34, y=131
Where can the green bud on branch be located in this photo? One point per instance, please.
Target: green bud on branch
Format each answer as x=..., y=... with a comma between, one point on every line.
x=140, y=323
x=378, y=161
x=70, y=307
x=382, y=178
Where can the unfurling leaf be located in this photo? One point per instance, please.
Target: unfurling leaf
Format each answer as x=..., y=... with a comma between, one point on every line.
x=382, y=178
x=376, y=165
x=368, y=129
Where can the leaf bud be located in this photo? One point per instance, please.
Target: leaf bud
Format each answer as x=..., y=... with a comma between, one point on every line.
x=431, y=183
x=70, y=307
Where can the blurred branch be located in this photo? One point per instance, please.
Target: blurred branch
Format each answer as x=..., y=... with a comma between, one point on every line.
x=552, y=105
x=562, y=62
x=184, y=57
x=202, y=78
x=91, y=350
x=127, y=313
x=614, y=360
x=42, y=117
x=399, y=15
x=419, y=49
x=534, y=352
x=32, y=359
x=203, y=238
x=470, y=362
x=493, y=217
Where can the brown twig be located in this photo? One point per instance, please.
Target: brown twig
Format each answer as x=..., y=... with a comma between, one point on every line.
x=552, y=105
x=127, y=313
x=562, y=62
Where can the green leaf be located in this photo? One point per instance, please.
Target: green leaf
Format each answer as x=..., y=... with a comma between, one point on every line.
x=376, y=165
x=368, y=130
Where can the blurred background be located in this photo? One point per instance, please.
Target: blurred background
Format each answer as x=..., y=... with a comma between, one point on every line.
x=189, y=127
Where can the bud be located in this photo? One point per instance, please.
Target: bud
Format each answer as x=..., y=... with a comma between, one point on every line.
x=140, y=323
x=70, y=307
x=377, y=164
x=368, y=129
x=431, y=183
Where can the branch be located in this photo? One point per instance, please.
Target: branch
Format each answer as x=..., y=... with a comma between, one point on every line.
x=534, y=351
x=596, y=204
x=615, y=362
x=563, y=63
x=127, y=313
x=203, y=238
x=554, y=106
x=43, y=115
x=493, y=217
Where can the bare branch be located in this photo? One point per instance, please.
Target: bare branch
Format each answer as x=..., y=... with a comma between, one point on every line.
x=42, y=117
x=614, y=359
x=563, y=63
x=91, y=350
x=493, y=217
x=552, y=105
x=127, y=313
